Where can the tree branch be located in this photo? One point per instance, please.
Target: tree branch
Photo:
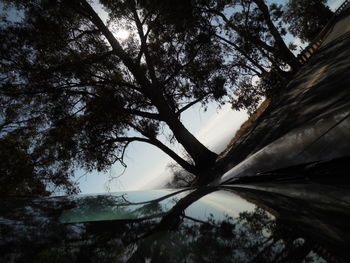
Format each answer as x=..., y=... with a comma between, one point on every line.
x=149, y=115
x=255, y=40
x=176, y=72
x=117, y=48
x=282, y=50
x=189, y=105
x=256, y=64
x=143, y=39
x=182, y=162
x=83, y=32
x=274, y=32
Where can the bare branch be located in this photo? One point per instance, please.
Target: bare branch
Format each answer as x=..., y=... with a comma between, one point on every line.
x=145, y=114
x=189, y=105
x=190, y=168
x=143, y=39
x=256, y=64
x=118, y=50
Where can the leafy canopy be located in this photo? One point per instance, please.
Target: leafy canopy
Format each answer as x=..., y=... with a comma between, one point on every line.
x=74, y=95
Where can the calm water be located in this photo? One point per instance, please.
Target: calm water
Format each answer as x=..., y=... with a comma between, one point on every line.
x=294, y=222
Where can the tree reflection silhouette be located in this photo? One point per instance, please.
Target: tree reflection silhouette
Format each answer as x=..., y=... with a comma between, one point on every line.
x=278, y=229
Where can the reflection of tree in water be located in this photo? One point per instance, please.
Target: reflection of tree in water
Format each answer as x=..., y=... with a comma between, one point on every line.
x=173, y=236
x=251, y=237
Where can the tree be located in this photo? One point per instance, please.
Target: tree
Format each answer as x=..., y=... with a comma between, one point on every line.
x=25, y=173
x=179, y=177
x=250, y=34
x=82, y=95
x=26, y=170
x=255, y=30
x=92, y=94
x=16, y=171
x=306, y=18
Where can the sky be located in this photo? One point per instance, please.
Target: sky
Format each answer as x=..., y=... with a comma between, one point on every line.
x=147, y=165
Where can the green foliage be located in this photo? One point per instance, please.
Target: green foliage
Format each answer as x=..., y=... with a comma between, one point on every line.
x=306, y=18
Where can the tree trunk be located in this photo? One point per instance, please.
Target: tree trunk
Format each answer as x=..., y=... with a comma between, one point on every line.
x=283, y=50
x=201, y=155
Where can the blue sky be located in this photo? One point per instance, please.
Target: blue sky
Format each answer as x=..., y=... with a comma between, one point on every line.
x=147, y=165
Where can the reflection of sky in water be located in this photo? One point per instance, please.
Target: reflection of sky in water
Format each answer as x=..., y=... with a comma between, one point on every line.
x=132, y=196
x=144, y=196
x=119, y=206
x=219, y=203
x=131, y=205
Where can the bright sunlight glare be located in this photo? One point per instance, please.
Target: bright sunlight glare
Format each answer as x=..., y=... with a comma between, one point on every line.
x=122, y=34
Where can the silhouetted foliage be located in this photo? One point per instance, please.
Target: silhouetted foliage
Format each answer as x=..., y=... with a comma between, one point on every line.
x=306, y=18
x=179, y=177
x=80, y=95
x=26, y=170
x=88, y=91
x=250, y=95
x=250, y=34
